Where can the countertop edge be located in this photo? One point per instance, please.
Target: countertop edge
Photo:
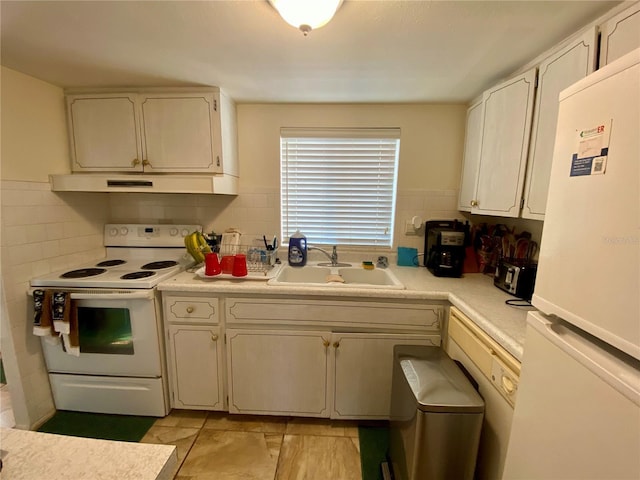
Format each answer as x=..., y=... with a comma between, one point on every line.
x=474, y=294
x=27, y=454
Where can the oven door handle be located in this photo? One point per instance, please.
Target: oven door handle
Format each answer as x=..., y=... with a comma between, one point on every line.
x=113, y=295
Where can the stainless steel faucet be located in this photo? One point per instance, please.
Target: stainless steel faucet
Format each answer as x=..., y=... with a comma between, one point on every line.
x=333, y=257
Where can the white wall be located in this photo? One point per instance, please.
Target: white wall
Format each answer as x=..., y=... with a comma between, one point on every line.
x=430, y=146
x=34, y=135
x=40, y=231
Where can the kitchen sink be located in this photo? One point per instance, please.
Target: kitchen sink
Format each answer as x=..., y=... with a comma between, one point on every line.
x=302, y=275
x=354, y=277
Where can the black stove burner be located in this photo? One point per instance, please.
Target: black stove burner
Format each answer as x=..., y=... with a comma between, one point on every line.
x=83, y=272
x=159, y=265
x=111, y=263
x=137, y=275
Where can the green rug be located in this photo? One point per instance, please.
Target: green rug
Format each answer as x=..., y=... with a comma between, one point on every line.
x=125, y=428
x=374, y=445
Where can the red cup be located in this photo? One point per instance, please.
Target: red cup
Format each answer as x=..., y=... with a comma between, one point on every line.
x=227, y=264
x=211, y=265
x=240, y=266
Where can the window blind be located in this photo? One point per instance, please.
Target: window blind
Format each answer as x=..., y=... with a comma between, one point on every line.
x=338, y=186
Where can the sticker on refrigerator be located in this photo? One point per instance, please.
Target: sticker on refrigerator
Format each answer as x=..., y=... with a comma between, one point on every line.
x=592, y=151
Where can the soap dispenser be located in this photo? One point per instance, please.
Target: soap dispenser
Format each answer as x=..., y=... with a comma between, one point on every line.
x=297, y=250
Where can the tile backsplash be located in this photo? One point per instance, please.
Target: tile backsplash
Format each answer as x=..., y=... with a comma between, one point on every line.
x=258, y=211
x=41, y=231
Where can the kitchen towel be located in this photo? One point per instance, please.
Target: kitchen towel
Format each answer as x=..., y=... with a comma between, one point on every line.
x=42, y=322
x=56, y=319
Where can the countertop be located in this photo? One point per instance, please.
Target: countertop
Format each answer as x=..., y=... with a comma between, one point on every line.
x=29, y=455
x=474, y=294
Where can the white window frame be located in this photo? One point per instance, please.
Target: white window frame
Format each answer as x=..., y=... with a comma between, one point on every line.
x=338, y=185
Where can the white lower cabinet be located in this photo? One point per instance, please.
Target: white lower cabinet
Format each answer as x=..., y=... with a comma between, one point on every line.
x=195, y=352
x=278, y=372
x=195, y=363
x=362, y=367
x=313, y=373
x=328, y=358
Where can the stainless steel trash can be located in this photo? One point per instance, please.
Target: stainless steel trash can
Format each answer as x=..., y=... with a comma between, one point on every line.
x=436, y=417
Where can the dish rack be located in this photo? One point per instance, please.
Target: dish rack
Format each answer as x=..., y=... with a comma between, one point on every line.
x=259, y=258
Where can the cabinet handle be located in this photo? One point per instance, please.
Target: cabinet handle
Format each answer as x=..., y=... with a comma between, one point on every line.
x=190, y=309
x=326, y=343
x=214, y=337
x=474, y=203
x=135, y=162
x=218, y=161
x=146, y=163
x=336, y=344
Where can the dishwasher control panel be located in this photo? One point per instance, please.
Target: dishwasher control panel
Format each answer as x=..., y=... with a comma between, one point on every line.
x=505, y=381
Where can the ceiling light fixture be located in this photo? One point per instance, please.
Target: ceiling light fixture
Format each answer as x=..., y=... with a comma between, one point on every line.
x=306, y=15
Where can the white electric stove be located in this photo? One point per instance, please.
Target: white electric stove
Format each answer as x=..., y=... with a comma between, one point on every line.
x=120, y=368
x=138, y=256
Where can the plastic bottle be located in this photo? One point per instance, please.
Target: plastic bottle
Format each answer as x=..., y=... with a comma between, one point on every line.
x=297, y=250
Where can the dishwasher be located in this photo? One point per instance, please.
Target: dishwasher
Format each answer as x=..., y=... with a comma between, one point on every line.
x=496, y=372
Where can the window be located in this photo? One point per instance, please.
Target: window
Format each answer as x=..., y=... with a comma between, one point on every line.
x=338, y=186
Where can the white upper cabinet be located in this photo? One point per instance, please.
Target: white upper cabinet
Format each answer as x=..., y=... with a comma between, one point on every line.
x=471, y=157
x=153, y=131
x=104, y=133
x=177, y=133
x=557, y=72
x=620, y=35
x=506, y=127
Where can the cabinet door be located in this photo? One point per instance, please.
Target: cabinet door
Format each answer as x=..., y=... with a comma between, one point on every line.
x=560, y=70
x=363, y=366
x=620, y=35
x=508, y=110
x=278, y=372
x=195, y=364
x=103, y=131
x=471, y=160
x=178, y=132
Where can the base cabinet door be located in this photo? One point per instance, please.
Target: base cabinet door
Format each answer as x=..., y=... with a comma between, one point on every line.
x=362, y=366
x=195, y=360
x=278, y=372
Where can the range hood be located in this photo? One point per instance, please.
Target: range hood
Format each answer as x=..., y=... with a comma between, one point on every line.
x=137, y=183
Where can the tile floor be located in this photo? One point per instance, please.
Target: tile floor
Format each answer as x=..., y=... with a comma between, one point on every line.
x=220, y=446
x=6, y=412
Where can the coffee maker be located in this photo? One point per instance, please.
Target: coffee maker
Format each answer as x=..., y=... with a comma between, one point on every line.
x=444, y=247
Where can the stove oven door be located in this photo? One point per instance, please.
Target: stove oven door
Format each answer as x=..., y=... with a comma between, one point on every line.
x=118, y=331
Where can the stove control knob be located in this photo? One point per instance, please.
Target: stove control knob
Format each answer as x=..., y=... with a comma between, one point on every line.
x=124, y=231
x=184, y=232
x=173, y=232
x=113, y=232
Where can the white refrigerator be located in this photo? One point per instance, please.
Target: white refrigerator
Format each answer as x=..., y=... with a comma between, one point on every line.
x=578, y=410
